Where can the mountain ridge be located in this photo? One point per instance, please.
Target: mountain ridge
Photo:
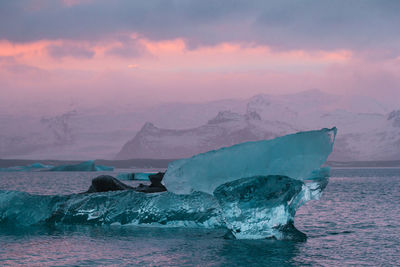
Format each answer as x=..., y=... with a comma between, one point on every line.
x=361, y=135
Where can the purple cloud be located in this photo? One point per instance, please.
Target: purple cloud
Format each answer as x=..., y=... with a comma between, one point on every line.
x=67, y=50
x=129, y=48
x=283, y=24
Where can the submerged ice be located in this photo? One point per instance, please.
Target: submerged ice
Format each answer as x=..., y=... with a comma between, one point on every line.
x=298, y=156
x=252, y=189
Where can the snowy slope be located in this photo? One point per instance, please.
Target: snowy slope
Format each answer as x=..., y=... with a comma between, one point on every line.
x=226, y=129
x=365, y=129
x=97, y=132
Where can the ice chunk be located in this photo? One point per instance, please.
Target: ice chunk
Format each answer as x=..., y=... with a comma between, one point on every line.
x=82, y=167
x=143, y=176
x=117, y=207
x=39, y=165
x=137, y=176
x=32, y=167
x=265, y=206
x=125, y=176
x=298, y=156
x=245, y=187
x=251, y=208
x=104, y=168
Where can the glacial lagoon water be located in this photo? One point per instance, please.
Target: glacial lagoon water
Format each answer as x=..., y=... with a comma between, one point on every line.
x=356, y=222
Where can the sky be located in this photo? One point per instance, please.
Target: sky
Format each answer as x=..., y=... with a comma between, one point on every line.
x=58, y=53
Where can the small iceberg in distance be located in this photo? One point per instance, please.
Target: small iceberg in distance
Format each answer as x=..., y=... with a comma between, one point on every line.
x=103, y=168
x=136, y=176
x=87, y=166
x=33, y=167
x=39, y=165
x=127, y=176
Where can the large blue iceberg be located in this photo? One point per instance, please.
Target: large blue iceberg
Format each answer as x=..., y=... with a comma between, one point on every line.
x=250, y=196
x=251, y=208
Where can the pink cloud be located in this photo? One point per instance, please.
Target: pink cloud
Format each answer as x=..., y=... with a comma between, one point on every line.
x=170, y=71
x=70, y=3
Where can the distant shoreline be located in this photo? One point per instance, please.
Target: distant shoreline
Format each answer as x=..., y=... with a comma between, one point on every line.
x=130, y=163
x=163, y=163
x=364, y=164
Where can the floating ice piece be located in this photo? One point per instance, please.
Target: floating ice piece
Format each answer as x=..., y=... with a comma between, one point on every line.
x=103, y=168
x=125, y=176
x=265, y=206
x=298, y=156
x=32, y=167
x=39, y=165
x=82, y=167
x=116, y=207
x=143, y=176
x=137, y=176
x=245, y=187
x=251, y=208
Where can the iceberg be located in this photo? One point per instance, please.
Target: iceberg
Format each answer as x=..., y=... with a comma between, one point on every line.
x=298, y=156
x=104, y=168
x=126, y=176
x=39, y=165
x=137, y=176
x=82, y=167
x=252, y=189
x=143, y=176
x=115, y=207
x=250, y=208
x=265, y=206
x=33, y=167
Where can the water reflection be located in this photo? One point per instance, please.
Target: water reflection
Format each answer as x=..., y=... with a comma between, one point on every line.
x=139, y=245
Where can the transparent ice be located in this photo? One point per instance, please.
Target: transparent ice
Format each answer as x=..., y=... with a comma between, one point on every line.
x=250, y=208
x=137, y=176
x=251, y=189
x=298, y=156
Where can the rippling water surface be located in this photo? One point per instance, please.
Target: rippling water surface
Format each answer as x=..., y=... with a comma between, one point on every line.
x=356, y=222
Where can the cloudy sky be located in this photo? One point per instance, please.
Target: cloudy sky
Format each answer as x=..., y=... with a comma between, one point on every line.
x=101, y=52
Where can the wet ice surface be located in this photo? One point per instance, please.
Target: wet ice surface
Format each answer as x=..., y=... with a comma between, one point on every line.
x=298, y=156
x=357, y=221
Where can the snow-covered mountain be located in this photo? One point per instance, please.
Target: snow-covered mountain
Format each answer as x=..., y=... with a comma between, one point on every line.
x=366, y=130
x=226, y=129
x=97, y=132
